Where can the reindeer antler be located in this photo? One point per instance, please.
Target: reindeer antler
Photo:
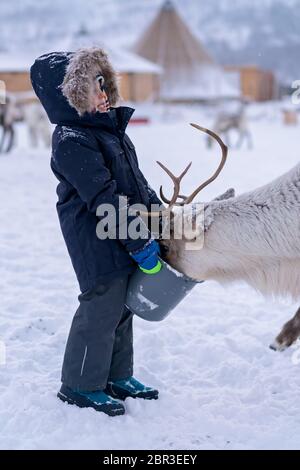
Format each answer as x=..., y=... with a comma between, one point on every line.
x=177, y=179
x=224, y=149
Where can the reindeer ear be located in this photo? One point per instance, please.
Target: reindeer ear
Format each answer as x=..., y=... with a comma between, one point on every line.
x=227, y=195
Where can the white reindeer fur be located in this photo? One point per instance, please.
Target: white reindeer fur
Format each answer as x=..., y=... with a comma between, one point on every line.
x=254, y=237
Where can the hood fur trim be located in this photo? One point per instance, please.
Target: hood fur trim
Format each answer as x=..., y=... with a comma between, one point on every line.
x=82, y=70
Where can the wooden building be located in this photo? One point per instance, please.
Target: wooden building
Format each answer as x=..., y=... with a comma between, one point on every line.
x=14, y=72
x=256, y=84
x=139, y=78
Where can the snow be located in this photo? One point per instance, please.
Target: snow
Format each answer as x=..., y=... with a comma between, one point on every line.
x=147, y=302
x=220, y=385
x=128, y=62
x=174, y=271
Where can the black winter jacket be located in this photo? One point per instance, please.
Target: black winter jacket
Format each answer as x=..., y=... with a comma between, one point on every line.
x=94, y=161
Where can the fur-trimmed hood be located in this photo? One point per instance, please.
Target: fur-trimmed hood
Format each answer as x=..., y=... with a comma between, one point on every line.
x=63, y=82
x=84, y=66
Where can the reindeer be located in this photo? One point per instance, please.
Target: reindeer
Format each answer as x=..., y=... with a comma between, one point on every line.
x=226, y=122
x=37, y=124
x=32, y=113
x=254, y=237
x=8, y=116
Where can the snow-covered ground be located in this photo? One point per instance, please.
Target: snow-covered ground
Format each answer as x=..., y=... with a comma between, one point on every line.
x=220, y=385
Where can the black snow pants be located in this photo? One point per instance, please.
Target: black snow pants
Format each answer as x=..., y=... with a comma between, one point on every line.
x=99, y=346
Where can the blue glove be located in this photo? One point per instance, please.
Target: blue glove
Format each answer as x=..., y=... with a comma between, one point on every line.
x=147, y=257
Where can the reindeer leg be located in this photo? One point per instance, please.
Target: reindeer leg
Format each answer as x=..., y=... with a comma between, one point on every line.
x=11, y=139
x=227, y=139
x=289, y=334
x=2, y=140
x=209, y=142
x=240, y=140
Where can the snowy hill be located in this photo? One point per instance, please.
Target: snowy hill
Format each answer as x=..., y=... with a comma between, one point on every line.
x=257, y=31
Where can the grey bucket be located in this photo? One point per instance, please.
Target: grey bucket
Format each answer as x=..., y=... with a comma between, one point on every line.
x=153, y=297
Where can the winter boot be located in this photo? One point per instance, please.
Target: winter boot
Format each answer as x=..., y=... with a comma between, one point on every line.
x=130, y=387
x=97, y=400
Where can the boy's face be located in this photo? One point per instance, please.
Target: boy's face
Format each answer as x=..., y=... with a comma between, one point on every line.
x=99, y=100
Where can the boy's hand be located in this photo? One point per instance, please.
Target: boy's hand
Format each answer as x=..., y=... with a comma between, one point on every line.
x=147, y=258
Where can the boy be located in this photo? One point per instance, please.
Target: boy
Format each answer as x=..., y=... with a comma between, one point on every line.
x=95, y=163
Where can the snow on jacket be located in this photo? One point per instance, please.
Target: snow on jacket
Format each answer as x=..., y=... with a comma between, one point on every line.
x=93, y=158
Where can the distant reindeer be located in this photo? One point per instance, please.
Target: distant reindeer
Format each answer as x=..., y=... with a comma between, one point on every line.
x=9, y=115
x=16, y=110
x=225, y=122
x=37, y=124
